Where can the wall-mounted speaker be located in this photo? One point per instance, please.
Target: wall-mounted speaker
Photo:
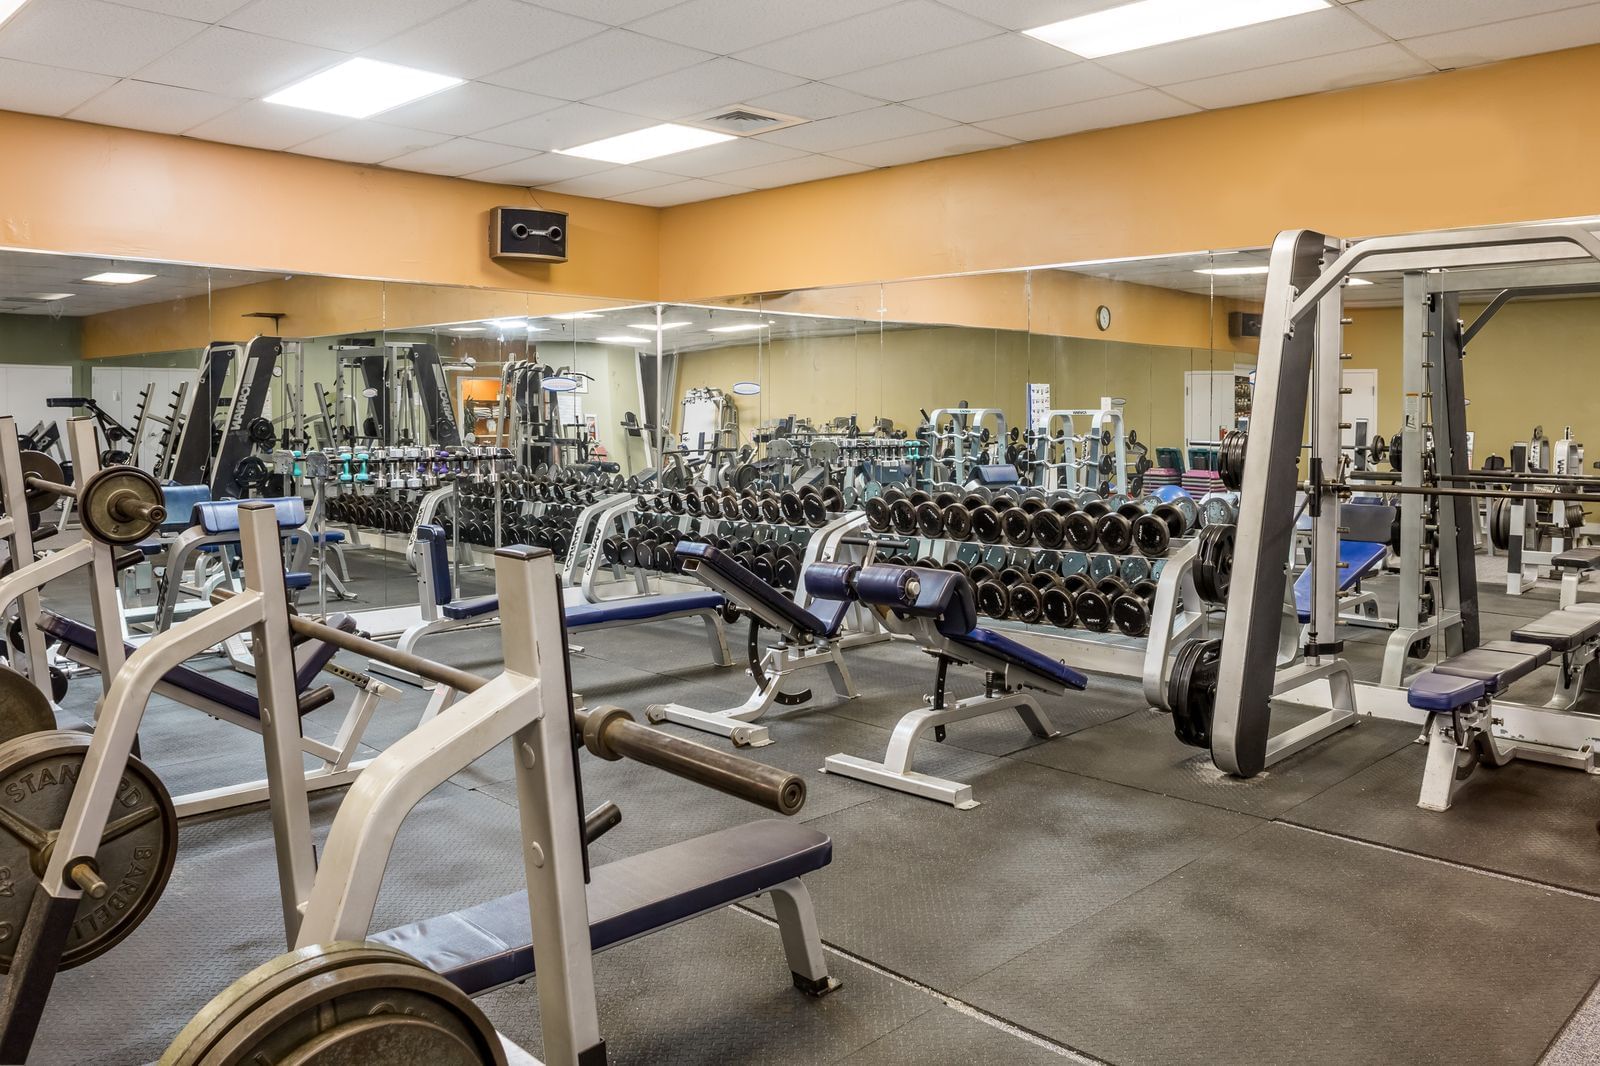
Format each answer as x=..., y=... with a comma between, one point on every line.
x=1243, y=324
x=523, y=233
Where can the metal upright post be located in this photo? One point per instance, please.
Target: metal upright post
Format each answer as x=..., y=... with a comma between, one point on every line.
x=103, y=597
x=16, y=504
x=1327, y=436
x=1457, y=517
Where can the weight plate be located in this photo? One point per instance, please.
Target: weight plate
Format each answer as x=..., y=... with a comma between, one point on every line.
x=37, y=776
x=23, y=708
x=39, y=465
x=335, y=1004
x=1192, y=691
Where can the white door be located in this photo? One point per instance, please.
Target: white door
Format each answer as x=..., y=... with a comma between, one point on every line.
x=1360, y=404
x=1208, y=397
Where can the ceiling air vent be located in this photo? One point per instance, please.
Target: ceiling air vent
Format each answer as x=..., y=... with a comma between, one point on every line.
x=742, y=120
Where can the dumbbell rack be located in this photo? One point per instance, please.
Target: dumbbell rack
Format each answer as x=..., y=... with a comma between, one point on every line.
x=965, y=438
x=1058, y=429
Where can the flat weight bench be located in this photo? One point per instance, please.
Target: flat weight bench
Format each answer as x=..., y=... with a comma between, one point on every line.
x=1458, y=695
x=1574, y=564
x=490, y=945
x=229, y=703
x=806, y=640
x=1574, y=634
x=441, y=612
x=938, y=609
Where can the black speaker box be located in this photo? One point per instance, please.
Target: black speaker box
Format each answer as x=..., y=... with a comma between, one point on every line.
x=523, y=233
x=1243, y=324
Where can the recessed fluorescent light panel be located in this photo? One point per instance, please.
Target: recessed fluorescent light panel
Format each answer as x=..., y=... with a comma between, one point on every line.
x=742, y=327
x=1357, y=281
x=1152, y=22
x=669, y=138
x=466, y=329
x=633, y=340
x=568, y=316
x=117, y=277
x=361, y=88
x=1232, y=272
x=49, y=297
x=652, y=325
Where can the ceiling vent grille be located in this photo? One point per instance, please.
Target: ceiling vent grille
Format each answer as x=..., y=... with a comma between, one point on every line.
x=742, y=120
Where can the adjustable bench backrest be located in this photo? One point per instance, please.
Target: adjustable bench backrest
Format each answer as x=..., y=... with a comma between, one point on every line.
x=722, y=572
x=433, y=565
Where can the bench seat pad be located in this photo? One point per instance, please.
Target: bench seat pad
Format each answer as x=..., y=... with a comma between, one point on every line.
x=1560, y=630
x=1434, y=691
x=1357, y=559
x=489, y=945
x=310, y=660
x=1015, y=653
x=640, y=608
x=1539, y=651
x=1577, y=559
x=822, y=620
x=1496, y=669
x=471, y=607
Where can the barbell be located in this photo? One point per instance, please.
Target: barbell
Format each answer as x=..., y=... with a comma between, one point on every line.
x=118, y=505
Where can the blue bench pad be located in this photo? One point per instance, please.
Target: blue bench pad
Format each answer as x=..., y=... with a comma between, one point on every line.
x=471, y=607
x=1434, y=691
x=640, y=608
x=1357, y=558
x=222, y=516
x=313, y=658
x=1016, y=653
x=823, y=620
x=490, y=944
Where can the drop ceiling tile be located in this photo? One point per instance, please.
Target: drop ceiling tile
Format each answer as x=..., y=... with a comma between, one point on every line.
x=348, y=25
x=43, y=90
x=1342, y=70
x=791, y=172
x=458, y=156
x=1419, y=18
x=92, y=36
x=611, y=12
x=1315, y=33
x=234, y=63
x=599, y=64
x=736, y=154
x=696, y=89
x=1027, y=14
x=725, y=27
x=847, y=131
x=141, y=105
x=198, y=10
x=368, y=142
x=684, y=192
x=1143, y=105
x=469, y=108
x=618, y=181
x=870, y=40
x=484, y=36
x=957, y=140
x=1030, y=92
x=564, y=127
x=1503, y=40
x=813, y=100
x=993, y=58
x=540, y=170
x=272, y=126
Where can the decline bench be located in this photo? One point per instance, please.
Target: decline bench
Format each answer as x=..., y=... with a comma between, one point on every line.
x=490, y=945
x=807, y=639
x=1458, y=696
x=230, y=703
x=938, y=609
x=443, y=612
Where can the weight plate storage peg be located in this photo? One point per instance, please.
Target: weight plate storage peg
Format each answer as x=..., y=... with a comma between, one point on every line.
x=121, y=882
x=335, y=1004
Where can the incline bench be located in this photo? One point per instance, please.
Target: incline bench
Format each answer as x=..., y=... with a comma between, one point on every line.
x=214, y=528
x=806, y=640
x=938, y=609
x=490, y=945
x=241, y=707
x=442, y=612
x=1458, y=695
x=1363, y=548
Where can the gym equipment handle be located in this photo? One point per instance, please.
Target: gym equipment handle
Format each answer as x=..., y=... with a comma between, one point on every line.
x=609, y=732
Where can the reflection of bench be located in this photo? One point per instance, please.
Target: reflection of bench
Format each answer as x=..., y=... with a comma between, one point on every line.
x=214, y=529
x=442, y=612
x=491, y=944
x=938, y=610
x=806, y=640
x=1458, y=696
x=1363, y=548
x=1574, y=565
x=229, y=703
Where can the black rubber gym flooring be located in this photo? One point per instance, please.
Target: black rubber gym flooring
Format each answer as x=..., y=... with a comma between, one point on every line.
x=1114, y=898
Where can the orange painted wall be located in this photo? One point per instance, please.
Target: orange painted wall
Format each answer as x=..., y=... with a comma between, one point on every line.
x=1501, y=143
x=75, y=187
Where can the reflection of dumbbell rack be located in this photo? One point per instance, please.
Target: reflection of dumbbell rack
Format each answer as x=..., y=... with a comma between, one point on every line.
x=1062, y=456
x=959, y=439
x=1065, y=563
